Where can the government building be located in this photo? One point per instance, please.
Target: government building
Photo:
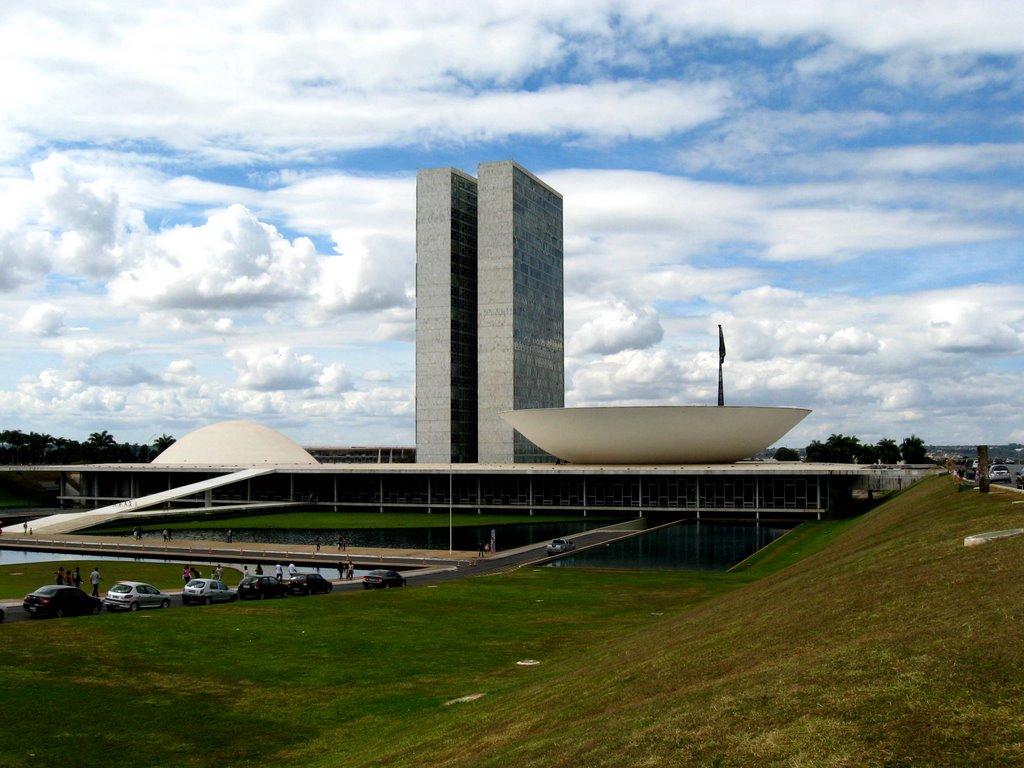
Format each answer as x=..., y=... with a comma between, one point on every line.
x=489, y=311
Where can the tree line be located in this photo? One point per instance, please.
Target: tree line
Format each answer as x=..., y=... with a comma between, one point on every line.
x=846, y=449
x=17, y=447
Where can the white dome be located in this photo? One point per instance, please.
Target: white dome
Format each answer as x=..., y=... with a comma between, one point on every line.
x=655, y=434
x=235, y=444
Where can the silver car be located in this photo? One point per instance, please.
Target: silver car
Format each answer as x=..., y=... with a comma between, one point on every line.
x=999, y=473
x=133, y=595
x=560, y=546
x=206, y=591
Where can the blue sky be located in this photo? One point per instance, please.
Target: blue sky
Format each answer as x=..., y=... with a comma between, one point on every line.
x=207, y=210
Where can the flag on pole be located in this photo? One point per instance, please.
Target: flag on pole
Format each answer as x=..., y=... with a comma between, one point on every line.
x=721, y=359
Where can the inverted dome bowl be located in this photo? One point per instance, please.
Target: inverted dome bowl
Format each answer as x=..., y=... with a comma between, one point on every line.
x=656, y=434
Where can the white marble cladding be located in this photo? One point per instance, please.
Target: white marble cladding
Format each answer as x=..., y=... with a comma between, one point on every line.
x=433, y=314
x=520, y=305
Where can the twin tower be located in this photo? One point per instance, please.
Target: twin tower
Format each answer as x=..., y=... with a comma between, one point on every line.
x=489, y=312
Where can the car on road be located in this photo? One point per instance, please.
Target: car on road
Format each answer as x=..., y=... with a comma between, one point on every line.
x=58, y=600
x=383, y=580
x=999, y=473
x=206, y=591
x=560, y=546
x=133, y=595
x=260, y=587
x=308, y=584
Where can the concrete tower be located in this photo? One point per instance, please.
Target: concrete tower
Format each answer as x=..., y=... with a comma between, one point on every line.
x=489, y=317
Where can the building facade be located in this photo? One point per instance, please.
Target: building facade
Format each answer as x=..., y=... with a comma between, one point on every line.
x=489, y=311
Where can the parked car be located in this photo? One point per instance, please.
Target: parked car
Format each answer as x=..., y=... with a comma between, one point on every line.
x=2, y=615
x=559, y=546
x=57, y=600
x=260, y=587
x=1019, y=481
x=133, y=595
x=383, y=580
x=308, y=584
x=999, y=473
x=206, y=591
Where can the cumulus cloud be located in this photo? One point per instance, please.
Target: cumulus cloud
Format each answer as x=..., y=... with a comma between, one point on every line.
x=612, y=327
x=43, y=320
x=233, y=260
x=274, y=369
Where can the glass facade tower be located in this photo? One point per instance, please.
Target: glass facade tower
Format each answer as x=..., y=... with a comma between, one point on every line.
x=489, y=311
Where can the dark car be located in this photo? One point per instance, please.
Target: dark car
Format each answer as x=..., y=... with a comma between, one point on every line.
x=308, y=584
x=259, y=587
x=2, y=615
x=57, y=600
x=383, y=580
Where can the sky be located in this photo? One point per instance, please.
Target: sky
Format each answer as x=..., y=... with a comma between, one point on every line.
x=207, y=210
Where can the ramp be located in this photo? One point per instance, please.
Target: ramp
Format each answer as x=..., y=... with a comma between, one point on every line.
x=68, y=522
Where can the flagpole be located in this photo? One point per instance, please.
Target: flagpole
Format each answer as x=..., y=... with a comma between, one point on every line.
x=721, y=359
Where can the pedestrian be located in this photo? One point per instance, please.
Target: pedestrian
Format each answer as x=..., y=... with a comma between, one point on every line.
x=231, y=535
x=278, y=571
x=218, y=573
x=60, y=575
x=351, y=570
x=165, y=535
x=77, y=578
x=94, y=579
x=292, y=570
x=339, y=542
x=24, y=527
x=194, y=572
x=245, y=572
x=186, y=574
x=259, y=569
x=480, y=552
x=317, y=542
x=341, y=570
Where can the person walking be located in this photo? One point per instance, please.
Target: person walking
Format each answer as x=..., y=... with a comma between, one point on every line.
x=292, y=570
x=76, y=579
x=94, y=579
x=351, y=570
x=317, y=542
x=186, y=574
x=231, y=535
x=278, y=572
x=60, y=575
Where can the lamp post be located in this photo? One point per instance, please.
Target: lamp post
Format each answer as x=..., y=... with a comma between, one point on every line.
x=450, y=529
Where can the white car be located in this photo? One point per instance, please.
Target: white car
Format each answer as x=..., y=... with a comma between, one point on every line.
x=560, y=546
x=206, y=591
x=133, y=595
x=999, y=473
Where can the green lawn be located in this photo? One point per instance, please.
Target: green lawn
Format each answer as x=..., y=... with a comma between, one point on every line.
x=877, y=642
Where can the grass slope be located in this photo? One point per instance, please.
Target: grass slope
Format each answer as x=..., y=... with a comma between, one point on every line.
x=893, y=645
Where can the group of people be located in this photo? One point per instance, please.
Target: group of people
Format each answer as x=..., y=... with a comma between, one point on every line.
x=73, y=578
x=69, y=578
x=188, y=573
x=346, y=570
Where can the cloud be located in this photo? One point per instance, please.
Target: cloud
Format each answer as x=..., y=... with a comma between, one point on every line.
x=233, y=260
x=266, y=370
x=612, y=327
x=43, y=320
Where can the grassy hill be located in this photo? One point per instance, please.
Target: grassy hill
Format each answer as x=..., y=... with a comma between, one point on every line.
x=894, y=645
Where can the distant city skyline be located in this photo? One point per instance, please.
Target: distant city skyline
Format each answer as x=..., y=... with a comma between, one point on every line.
x=207, y=211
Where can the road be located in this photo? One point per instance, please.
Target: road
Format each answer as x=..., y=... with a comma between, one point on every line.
x=500, y=562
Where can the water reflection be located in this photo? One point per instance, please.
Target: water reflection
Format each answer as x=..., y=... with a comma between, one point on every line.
x=467, y=538
x=685, y=547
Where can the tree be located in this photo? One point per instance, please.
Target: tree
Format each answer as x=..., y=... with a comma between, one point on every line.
x=888, y=451
x=913, y=451
x=163, y=442
x=787, y=454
